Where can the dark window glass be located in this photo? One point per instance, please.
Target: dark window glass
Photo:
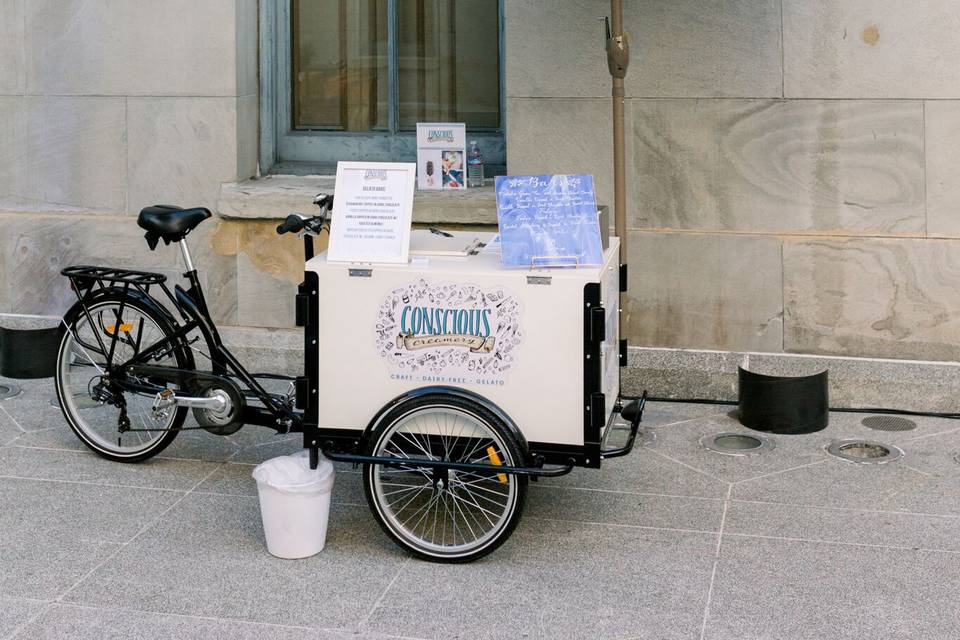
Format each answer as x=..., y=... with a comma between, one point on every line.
x=447, y=64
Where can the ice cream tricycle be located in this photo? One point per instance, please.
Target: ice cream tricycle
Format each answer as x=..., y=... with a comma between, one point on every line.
x=453, y=381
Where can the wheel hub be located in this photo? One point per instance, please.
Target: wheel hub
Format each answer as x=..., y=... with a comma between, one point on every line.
x=441, y=478
x=222, y=408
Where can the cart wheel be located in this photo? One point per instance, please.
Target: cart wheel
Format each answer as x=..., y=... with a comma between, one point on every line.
x=445, y=515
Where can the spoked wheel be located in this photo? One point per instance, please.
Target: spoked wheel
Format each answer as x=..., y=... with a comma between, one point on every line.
x=81, y=367
x=445, y=515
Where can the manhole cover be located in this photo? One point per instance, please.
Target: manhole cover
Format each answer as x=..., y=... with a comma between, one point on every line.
x=8, y=390
x=864, y=452
x=736, y=444
x=888, y=423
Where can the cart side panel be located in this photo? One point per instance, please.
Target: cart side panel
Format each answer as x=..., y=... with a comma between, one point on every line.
x=471, y=324
x=610, y=349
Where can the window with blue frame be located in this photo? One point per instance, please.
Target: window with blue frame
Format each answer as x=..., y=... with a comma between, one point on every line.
x=354, y=77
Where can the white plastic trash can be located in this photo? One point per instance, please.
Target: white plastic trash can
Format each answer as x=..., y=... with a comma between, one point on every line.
x=294, y=504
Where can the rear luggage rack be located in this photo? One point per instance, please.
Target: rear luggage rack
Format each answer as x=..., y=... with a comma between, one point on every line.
x=85, y=276
x=86, y=281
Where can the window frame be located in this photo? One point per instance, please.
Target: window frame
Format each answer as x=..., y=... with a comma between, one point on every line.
x=280, y=144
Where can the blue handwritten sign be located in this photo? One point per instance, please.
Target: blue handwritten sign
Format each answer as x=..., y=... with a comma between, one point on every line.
x=548, y=221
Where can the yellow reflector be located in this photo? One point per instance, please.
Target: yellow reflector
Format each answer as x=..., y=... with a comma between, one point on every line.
x=125, y=327
x=495, y=459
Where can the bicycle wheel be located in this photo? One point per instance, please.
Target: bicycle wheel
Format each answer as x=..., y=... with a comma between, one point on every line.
x=82, y=363
x=445, y=515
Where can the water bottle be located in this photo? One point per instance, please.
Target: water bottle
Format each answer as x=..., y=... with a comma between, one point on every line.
x=474, y=165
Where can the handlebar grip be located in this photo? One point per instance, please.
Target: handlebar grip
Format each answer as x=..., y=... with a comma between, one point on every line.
x=292, y=223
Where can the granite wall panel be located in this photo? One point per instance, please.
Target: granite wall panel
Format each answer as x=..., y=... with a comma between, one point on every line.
x=704, y=291
x=831, y=167
x=878, y=297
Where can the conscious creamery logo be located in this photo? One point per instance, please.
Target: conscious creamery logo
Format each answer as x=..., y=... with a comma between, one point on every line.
x=440, y=135
x=451, y=332
x=422, y=327
x=375, y=174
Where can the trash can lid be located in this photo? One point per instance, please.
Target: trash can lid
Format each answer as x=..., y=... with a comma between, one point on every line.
x=292, y=474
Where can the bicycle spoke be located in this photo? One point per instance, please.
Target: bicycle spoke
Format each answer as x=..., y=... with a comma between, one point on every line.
x=127, y=327
x=468, y=508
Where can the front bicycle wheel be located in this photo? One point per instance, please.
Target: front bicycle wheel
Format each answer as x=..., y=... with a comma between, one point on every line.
x=445, y=515
x=82, y=364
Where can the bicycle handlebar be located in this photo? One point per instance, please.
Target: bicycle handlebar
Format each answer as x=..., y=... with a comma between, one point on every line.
x=293, y=223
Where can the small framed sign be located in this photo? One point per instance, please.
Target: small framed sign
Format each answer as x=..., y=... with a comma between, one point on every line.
x=372, y=212
x=441, y=155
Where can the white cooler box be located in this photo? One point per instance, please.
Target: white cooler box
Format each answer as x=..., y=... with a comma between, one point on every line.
x=542, y=345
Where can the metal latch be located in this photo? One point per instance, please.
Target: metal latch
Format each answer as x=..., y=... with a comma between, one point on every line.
x=360, y=272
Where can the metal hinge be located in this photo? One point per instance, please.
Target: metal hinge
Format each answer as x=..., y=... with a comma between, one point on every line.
x=598, y=408
x=302, y=310
x=302, y=392
x=598, y=324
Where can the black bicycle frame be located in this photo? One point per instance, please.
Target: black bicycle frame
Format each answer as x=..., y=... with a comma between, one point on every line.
x=192, y=306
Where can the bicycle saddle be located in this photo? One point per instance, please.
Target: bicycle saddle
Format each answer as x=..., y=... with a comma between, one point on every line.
x=170, y=223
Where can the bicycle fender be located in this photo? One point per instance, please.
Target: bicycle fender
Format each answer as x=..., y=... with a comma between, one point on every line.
x=103, y=292
x=453, y=391
x=92, y=297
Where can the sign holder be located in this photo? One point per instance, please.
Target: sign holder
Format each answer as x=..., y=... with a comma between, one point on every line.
x=575, y=262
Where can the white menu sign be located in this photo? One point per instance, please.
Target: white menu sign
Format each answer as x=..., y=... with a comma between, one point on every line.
x=372, y=212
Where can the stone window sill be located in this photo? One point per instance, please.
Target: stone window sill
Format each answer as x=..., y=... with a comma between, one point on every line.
x=279, y=195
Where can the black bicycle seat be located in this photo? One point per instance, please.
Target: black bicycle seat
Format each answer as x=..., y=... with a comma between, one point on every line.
x=169, y=222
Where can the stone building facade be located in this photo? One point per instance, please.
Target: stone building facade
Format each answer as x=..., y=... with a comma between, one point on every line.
x=794, y=184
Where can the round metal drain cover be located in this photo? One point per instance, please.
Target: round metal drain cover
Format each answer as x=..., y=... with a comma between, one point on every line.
x=888, y=423
x=736, y=444
x=864, y=451
x=8, y=390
